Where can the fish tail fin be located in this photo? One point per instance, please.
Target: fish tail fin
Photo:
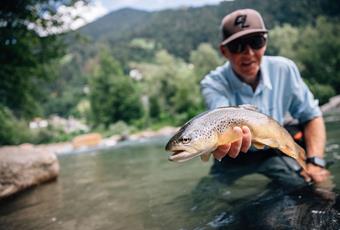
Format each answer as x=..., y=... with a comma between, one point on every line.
x=301, y=157
x=296, y=152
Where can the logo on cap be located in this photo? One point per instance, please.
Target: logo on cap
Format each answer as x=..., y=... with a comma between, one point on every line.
x=240, y=21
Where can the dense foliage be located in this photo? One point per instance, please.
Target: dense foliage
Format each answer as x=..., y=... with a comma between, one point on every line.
x=113, y=96
x=9, y=126
x=25, y=55
x=315, y=54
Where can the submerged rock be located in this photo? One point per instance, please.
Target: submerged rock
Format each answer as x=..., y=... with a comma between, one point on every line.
x=23, y=167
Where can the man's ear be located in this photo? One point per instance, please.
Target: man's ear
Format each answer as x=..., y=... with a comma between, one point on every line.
x=224, y=51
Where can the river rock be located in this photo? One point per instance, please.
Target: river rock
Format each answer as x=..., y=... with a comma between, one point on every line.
x=334, y=102
x=23, y=167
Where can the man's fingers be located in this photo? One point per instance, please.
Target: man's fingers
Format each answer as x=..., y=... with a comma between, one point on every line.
x=236, y=146
x=221, y=151
x=246, y=141
x=320, y=176
x=233, y=149
x=305, y=176
x=315, y=174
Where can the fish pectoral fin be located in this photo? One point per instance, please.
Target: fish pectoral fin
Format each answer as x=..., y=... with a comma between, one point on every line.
x=228, y=137
x=258, y=145
x=205, y=157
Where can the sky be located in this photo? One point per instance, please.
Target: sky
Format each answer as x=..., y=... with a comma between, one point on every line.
x=154, y=4
x=98, y=8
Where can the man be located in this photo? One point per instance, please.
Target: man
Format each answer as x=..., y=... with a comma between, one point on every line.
x=274, y=85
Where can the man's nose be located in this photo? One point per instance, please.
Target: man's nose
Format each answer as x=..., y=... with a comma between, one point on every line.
x=248, y=50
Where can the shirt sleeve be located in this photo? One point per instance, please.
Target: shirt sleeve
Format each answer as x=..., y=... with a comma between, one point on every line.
x=214, y=93
x=304, y=106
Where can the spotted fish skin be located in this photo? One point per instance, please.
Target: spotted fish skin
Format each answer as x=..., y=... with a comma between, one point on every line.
x=204, y=133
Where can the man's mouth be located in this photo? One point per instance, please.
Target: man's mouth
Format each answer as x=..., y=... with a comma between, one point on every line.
x=247, y=63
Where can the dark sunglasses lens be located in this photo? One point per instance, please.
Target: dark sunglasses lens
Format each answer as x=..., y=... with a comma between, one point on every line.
x=235, y=47
x=239, y=45
x=257, y=42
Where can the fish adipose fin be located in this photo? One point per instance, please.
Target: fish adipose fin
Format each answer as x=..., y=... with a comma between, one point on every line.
x=205, y=156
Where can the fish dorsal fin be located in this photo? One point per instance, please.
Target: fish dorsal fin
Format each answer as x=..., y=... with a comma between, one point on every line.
x=249, y=107
x=244, y=106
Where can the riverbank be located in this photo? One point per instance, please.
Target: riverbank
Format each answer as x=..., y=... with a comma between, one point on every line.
x=104, y=143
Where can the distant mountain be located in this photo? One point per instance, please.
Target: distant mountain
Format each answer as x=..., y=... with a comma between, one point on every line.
x=178, y=31
x=182, y=30
x=115, y=24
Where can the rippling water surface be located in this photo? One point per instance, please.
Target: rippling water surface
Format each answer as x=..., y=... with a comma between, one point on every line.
x=133, y=186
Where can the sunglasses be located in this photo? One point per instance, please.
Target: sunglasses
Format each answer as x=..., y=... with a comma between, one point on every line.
x=239, y=45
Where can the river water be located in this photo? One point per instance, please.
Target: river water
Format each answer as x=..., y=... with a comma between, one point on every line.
x=134, y=186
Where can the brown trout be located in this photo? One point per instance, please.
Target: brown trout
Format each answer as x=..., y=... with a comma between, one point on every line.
x=205, y=132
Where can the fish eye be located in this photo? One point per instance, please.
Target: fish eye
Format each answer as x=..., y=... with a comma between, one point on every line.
x=185, y=140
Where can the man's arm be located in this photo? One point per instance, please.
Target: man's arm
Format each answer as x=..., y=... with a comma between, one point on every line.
x=315, y=138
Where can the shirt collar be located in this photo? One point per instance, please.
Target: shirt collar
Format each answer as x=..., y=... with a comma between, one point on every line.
x=265, y=74
x=236, y=83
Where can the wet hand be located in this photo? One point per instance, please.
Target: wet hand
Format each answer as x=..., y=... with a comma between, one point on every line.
x=317, y=174
x=241, y=145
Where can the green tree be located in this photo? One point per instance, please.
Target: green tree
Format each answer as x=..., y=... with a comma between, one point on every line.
x=26, y=55
x=204, y=59
x=318, y=51
x=9, y=126
x=314, y=49
x=171, y=87
x=282, y=40
x=321, y=91
x=113, y=96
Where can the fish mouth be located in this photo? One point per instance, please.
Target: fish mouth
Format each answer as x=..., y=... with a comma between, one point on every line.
x=181, y=155
x=177, y=152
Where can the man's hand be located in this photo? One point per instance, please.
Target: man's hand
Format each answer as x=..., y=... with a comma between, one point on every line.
x=233, y=149
x=317, y=173
x=315, y=137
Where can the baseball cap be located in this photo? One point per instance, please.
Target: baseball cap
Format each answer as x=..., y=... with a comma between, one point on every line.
x=240, y=23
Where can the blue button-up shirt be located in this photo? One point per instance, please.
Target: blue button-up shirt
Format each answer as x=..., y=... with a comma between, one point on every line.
x=280, y=91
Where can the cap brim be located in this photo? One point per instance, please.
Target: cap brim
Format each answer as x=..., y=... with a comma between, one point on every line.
x=243, y=33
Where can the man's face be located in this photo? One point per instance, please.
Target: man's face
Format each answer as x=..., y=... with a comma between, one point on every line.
x=244, y=59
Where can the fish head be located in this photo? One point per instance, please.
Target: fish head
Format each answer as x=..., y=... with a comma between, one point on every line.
x=190, y=142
